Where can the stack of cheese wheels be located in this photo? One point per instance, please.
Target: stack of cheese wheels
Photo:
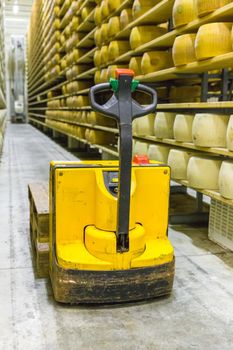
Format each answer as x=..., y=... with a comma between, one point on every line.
x=225, y=179
x=203, y=173
x=125, y=18
x=213, y=39
x=159, y=153
x=209, y=130
x=95, y=118
x=155, y=60
x=142, y=6
x=143, y=34
x=144, y=126
x=204, y=7
x=178, y=161
x=183, y=51
x=183, y=127
x=140, y=148
x=113, y=26
x=163, y=125
x=184, y=11
x=135, y=65
x=230, y=134
x=187, y=93
x=101, y=137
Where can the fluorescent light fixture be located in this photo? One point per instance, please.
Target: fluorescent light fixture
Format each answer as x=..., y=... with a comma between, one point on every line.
x=15, y=8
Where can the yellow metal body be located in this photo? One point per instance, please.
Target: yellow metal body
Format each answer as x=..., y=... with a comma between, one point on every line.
x=83, y=216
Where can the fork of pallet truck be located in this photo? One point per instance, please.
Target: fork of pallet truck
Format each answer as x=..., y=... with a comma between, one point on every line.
x=108, y=219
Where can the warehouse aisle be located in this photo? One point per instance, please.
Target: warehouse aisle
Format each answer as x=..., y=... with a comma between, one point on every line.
x=198, y=315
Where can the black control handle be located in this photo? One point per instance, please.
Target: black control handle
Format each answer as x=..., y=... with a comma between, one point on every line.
x=122, y=107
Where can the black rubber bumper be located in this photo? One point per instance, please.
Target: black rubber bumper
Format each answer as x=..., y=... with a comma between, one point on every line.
x=104, y=287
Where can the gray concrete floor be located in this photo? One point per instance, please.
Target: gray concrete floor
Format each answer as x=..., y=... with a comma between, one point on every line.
x=198, y=314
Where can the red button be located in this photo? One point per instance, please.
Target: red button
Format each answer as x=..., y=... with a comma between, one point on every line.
x=123, y=71
x=141, y=159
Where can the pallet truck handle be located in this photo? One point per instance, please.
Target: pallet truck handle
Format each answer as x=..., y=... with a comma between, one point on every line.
x=122, y=107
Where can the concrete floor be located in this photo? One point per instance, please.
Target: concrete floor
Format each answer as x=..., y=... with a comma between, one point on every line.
x=198, y=314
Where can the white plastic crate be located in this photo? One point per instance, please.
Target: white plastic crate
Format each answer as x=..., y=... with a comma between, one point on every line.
x=221, y=224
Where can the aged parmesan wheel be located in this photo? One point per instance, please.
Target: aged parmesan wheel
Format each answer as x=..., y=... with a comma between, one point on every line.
x=155, y=60
x=114, y=4
x=183, y=127
x=95, y=118
x=225, y=179
x=140, y=148
x=203, y=173
x=178, y=161
x=87, y=134
x=190, y=93
x=135, y=65
x=206, y=6
x=145, y=125
x=83, y=117
x=97, y=58
x=159, y=153
x=104, y=75
x=142, y=6
x=213, y=39
x=113, y=26
x=183, y=51
x=184, y=11
x=101, y=137
x=98, y=15
x=163, y=125
x=230, y=134
x=125, y=17
x=104, y=55
x=97, y=79
x=97, y=37
x=104, y=9
x=117, y=48
x=209, y=130
x=143, y=34
x=104, y=33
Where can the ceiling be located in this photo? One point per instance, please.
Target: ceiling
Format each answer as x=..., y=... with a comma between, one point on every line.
x=16, y=23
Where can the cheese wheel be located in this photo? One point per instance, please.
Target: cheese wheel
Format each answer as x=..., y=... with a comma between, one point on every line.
x=104, y=9
x=114, y=4
x=203, y=173
x=213, y=39
x=135, y=65
x=225, y=179
x=190, y=93
x=140, y=148
x=163, y=125
x=155, y=60
x=184, y=12
x=101, y=137
x=85, y=12
x=142, y=6
x=113, y=26
x=183, y=127
x=143, y=34
x=104, y=55
x=97, y=77
x=56, y=11
x=104, y=33
x=97, y=37
x=111, y=70
x=97, y=15
x=87, y=134
x=178, y=162
x=81, y=132
x=158, y=153
x=230, y=134
x=209, y=130
x=183, y=50
x=104, y=75
x=117, y=48
x=97, y=58
x=145, y=125
x=125, y=17
x=95, y=118
x=83, y=117
x=204, y=7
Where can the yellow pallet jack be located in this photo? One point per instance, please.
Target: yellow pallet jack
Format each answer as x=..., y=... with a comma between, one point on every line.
x=108, y=219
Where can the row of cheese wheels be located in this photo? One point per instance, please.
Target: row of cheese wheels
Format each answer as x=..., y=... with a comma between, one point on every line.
x=70, y=102
x=84, y=133
x=202, y=129
x=186, y=11
x=201, y=171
